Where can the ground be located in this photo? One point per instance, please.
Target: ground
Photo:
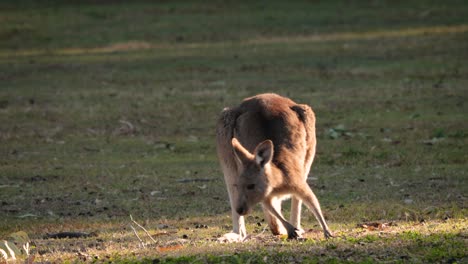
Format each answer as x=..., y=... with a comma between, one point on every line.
x=108, y=109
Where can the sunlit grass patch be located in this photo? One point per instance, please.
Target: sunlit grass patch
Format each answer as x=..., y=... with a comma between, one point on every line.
x=176, y=49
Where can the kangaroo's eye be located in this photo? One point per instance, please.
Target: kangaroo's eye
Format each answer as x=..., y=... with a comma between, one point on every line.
x=250, y=186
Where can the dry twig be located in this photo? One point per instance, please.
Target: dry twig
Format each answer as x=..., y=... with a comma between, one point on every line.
x=144, y=229
x=136, y=234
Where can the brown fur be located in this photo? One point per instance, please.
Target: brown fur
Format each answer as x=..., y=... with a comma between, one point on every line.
x=266, y=147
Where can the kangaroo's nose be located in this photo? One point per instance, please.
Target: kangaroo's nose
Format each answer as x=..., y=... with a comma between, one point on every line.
x=241, y=210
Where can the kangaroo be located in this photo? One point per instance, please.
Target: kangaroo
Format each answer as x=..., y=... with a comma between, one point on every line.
x=266, y=146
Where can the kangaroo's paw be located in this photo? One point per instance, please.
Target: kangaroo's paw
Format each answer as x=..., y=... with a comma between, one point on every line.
x=328, y=234
x=231, y=238
x=294, y=233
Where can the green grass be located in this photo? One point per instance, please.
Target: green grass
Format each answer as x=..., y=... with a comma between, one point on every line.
x=106, y=109
x=53, y=24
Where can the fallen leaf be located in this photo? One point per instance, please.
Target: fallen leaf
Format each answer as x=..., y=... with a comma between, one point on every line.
x=170, y=248
x=372, y=226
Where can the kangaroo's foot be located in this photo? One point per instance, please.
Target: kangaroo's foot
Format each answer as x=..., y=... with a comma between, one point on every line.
x=231, y=238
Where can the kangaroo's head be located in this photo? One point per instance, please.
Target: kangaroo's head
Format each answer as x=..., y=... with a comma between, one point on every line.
x=251, y=187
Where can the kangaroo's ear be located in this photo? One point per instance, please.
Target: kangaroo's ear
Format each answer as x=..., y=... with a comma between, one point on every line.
x=241, y=153
x=264, y=153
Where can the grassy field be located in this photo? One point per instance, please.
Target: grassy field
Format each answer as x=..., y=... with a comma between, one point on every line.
x=108, y=109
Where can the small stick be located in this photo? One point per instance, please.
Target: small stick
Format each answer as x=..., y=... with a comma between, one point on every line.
x=146, y=231
x=135, y=232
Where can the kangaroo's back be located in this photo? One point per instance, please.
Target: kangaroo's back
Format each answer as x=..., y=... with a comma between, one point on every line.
x=290, y=126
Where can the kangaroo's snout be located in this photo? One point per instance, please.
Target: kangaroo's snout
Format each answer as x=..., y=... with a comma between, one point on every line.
x=242, y=210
